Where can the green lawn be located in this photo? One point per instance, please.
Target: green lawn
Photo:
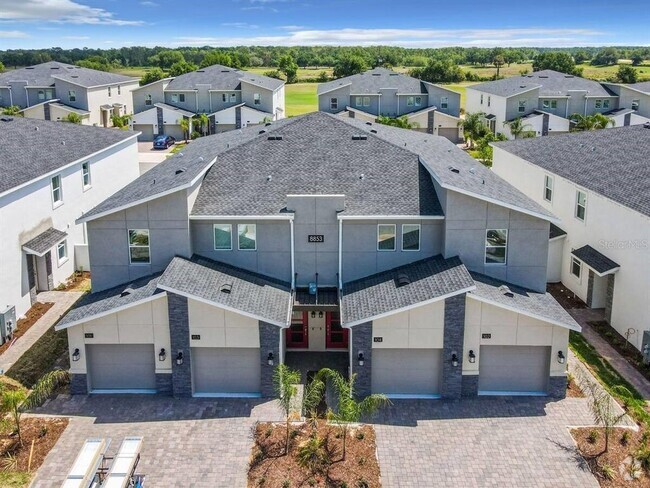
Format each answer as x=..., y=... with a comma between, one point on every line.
x=300, y=98
x=460, y=88
x=303, y=73
x=135, y=71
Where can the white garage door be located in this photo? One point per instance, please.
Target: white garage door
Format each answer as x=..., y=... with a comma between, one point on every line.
x=147, y=132
x=121, y=367
x=222, y=370
x=175, y=131
x=406, y=372
x=522, y=370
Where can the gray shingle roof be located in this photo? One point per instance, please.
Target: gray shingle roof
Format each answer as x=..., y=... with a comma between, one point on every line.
x=221, y=78
x=248, y=292
x=31, y=148
x=373, y=80
x=612, y=162
x=45, y=241
x=379, y=294
x=68, y=108
x=554, y=231
x=105, y=301
x=551, y=83
x=643, y=86
x=529, y=302
x=317, y=156
x=43, y=75
x=595, y=259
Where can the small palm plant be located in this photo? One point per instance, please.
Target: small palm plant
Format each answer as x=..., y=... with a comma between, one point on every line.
x=12, y=402
x=13, y=110
x=185, y=127
x=518, y=128
x=285, y=381
x=590, y=122
x=72, y=118
x=474, y=128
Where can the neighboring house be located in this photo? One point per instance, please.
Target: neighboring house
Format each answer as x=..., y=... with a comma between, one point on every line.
x=52, y=90
x=380, y=91
x=633, y=102
x=231, y=99
x=52, y=174
x=597, y=183
x=319, y=241
x=545, y=100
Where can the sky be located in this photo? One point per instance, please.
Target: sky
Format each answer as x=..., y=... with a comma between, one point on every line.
x=410, y=23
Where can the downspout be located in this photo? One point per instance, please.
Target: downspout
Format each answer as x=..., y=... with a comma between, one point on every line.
x=27, y=98
x=11, y=96
x=340, y=253
x=586, y=99
x=293, y=264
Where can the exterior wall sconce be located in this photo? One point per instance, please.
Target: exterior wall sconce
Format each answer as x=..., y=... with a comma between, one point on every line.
x=472, y=357
x=269, y=359
x=320, y=315
x=179, y=358
x=162, y=354
x=454, y=359
x=76, y=355
x=560, y=357
x=360, y=358
x=313, y=315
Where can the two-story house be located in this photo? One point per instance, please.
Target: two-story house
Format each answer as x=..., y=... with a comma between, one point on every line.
x=429, y=107
x=53, y=90
x=597, y=183
x=544, y=100
x=633, y=103
x=52, y=173
x=319, y=241
x=231, y=99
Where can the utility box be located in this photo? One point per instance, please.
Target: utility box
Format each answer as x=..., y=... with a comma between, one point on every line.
x=7, y=323
x=645, y=348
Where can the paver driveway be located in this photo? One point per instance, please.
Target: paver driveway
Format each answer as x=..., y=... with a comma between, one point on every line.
x=206, y=443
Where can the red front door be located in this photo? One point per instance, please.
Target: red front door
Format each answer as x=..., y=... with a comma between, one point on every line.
x=296, y=334
x=337, y=336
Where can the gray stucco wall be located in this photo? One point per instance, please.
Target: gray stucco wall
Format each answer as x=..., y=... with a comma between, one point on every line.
x=512, y=104
x=404, y=108
x=5, y=99
x=18, y=94
x=361, y=257
x=362, y=342
x=266, y=97
x=139, y=96
x=591, y=105
x=453, y=99
x=188, y=104
x=560, y=110
x=81, y=94
x=166, y=219
x=373, y=108
x=627, y=96
x=341, y=94
x=389, y=102
x=466, y=222
x=219, y=104
x=577, y=102
x=203, y=99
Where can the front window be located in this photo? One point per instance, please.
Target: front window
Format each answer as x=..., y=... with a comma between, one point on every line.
x=72, y=95
x=181, y=97
x=256, y=99
x=139, y=250
x=522, y=106
x=546, y=104
x=358, y=101
x=386, y=237
x=109, y=91
x=119, y=90
x=599, y=104
x=576, y=267
x=247, y=237
x=233, y=97
x=553, y=103
x=635, y=104
x=444, y=102
x=548, y=188
x=418, y=101
x=581, y=205
x=62, y=252
x=334, y=103
x=410, y=101
x=174, y=97
x=57, y=191
x=222, y=237
x=148, y=100
x=366, y=101
x=605, y=103
x=481, y=99
x=410, y=237
x=85, y=174
x=496, y=246
x=489, y=101
x=41, y=94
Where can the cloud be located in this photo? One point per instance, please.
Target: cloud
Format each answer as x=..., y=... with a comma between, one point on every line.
x=63, y=11
x=76, y=38
x=240, y=25
x=150, y=4
x=410, y=38
x=291, y=27
x=14, y=34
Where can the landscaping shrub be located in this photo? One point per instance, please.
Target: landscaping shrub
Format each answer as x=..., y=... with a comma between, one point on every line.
x=593, y=436
x=607, y=471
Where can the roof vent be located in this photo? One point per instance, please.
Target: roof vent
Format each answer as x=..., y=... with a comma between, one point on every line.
x=75, y=76
x=227, y=288
x=402, y=280
x=31, y=67
x=180, y=170
x=376, y=74
x=267, y=124
x=269, y=177
x=568, y=76
x=225, y=71
x=63, y=143
x=506, y=291
x=262, y=131
x=360, y=137
x=374, y=131
x=7, y=119
x=362, y=176
x=394, y=74
x=454, y=170
x=127, y=292
x=646, y=125
x=274, y=138
x=201, y=158
x=368, y=123
x=200, y=71
x=54, y=67
x=522, y=86
x=36, y=128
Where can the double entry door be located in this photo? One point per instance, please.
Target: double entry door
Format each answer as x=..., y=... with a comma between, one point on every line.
x=316, y=330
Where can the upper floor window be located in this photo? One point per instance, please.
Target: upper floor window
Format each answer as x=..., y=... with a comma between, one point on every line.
x=581, y=205
x=481, y=99
x=233, y=97
x=444, y=102
x=496, y=246
x=410, y=101
x=256, y=99
x=553, y=103
x=548, y=188
x=635, y=104
x=549, y=104
x=119, y=90
x=147, y=99
x=178, y=97
x=522, y=106
x=62, y=252
x=139, y=246
x=576, y=267
x=599, y=104
x=109, y=91
x=386, y=237
x=605, y=103
x=410, y=237
x=72, y=95
x=247, y=237
x=85, y=174
x=41, y=94
x=418, y=101
x=222, y=237
x=362, y=101
x=57, y=191
x=334, y=103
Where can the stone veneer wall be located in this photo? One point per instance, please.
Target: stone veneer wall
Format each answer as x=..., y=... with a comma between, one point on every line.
x=609, y=300
x=590, y=288
x=179, y=329
x=269, y=342
x=78, y=384
x=362, y=341
x=452, y=377
x=164, y=384
x=469, y=385
x=557, y=386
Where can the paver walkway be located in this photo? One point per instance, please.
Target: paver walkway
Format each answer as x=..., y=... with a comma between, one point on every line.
x=62, y=300
x=618, y=362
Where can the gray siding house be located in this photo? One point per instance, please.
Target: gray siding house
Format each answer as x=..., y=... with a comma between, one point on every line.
x=319, y=241
x=231, y=99
x=432, y=108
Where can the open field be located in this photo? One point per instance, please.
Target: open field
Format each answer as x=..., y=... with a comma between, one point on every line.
x=303, y=73
x=300, y=98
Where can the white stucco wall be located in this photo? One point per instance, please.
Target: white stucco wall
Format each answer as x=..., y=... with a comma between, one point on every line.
x=99, y=96
x=418, y=328
x=221, y=328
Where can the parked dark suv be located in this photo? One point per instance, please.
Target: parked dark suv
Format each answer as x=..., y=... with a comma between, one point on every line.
x=163, y=142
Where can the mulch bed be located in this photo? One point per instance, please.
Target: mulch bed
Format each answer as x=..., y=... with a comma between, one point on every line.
x=573, y=390
x=564, y=296
x=270, y=467
x=33, y=314
x=79, y=281
x=45, y=432
x=625, y=471
x=624, y=348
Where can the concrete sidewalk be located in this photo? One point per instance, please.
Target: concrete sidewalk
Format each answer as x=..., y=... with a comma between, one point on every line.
x=62, y=300
x=618, y=362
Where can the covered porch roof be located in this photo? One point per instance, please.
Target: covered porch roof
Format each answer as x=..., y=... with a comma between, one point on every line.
x=597, y=261
x=45, y=241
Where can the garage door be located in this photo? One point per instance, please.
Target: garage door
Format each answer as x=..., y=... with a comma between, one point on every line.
x=222, y=370
x=513, y=370
x=147, y=132
x=408, y=372
x=450, y=133
x=174, y=130
x=121, y=366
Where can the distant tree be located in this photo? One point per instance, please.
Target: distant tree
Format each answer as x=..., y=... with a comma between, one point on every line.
x=99, y=63
x=439, y=71
x=323, y=77
x=2, y=67
x=626, y=74
x=555, y=60
x=219, y=57
x=348, y=65
x=289, y=67
x=273, y=73
x=590, y=122
x=581, y=56
x=165, y=59
x=474, y=127
x=606, y=57
x=154, y=74
x=181, y=68
x=498, y=61
x=637, y=58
